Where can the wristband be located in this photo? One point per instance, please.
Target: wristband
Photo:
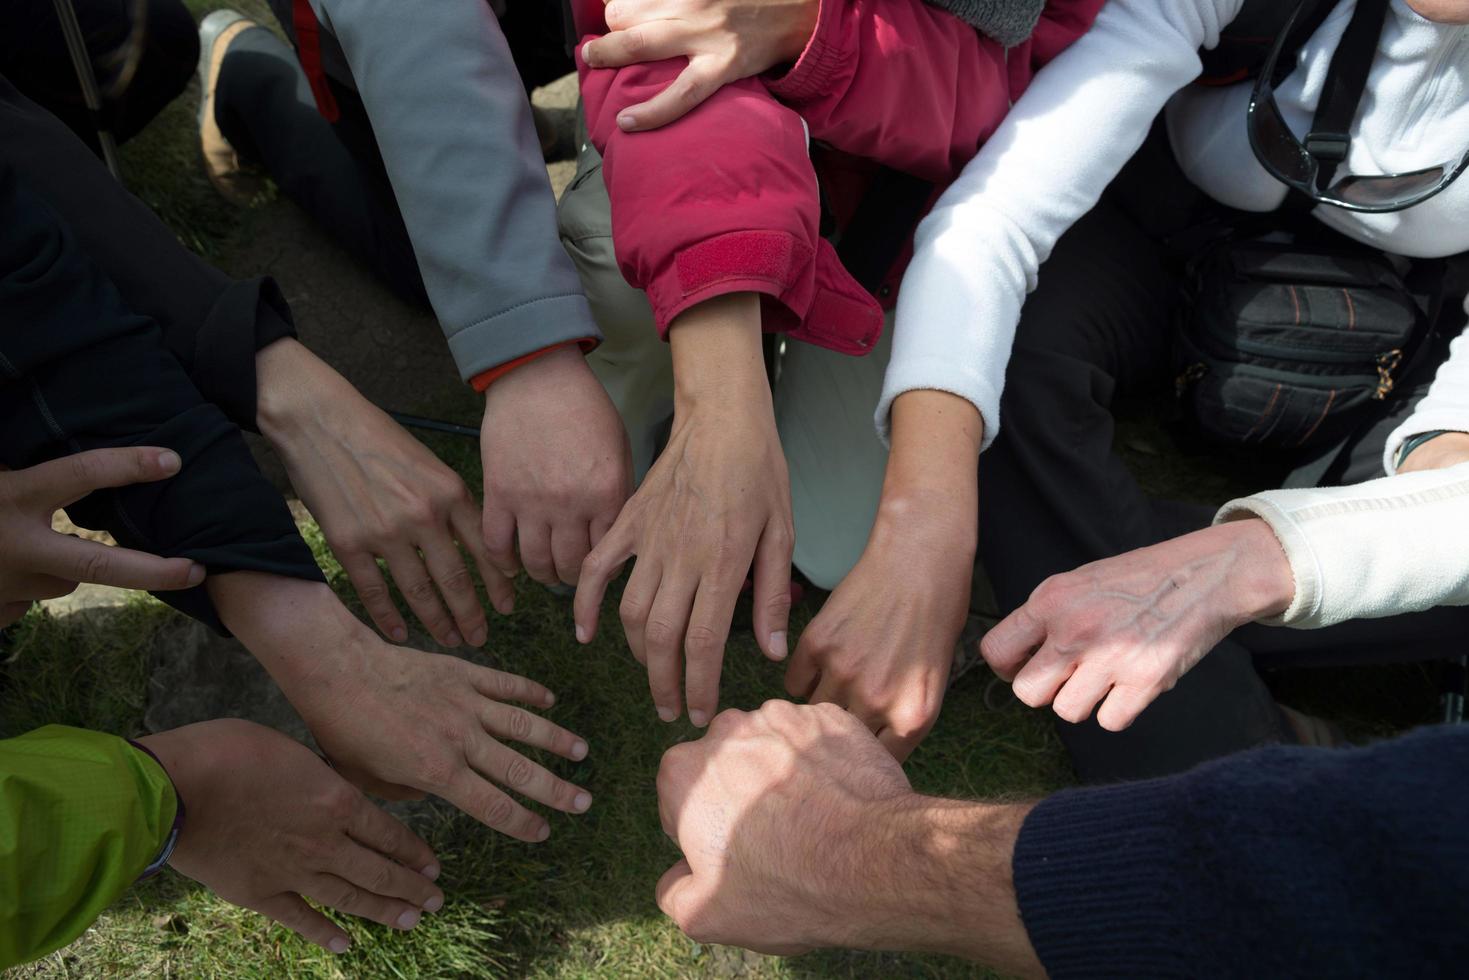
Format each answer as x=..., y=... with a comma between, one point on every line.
x=1415, y=441
x=156, y=865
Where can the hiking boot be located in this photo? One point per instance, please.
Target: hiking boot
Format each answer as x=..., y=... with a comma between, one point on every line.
x=226, y=172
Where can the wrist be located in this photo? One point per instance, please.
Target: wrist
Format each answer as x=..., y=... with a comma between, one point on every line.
x=283, y=386
x=172, y=751
x=1262, y=583
x=718, y=357
x=799, y=31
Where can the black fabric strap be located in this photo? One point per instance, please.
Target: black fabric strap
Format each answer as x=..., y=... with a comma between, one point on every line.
x=1308, y=22
x=1346, y=81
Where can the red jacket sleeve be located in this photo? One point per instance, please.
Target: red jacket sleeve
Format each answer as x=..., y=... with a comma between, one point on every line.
x=724, y=200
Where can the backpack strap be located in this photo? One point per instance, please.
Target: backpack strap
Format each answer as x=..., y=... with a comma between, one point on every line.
x=1346, y=82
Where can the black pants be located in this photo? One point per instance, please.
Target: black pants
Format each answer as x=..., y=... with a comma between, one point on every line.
x=112, y=333
x=141, y=62
x=333, y=171
x=1056, y=496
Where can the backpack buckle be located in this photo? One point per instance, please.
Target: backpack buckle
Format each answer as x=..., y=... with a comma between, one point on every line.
x=1331, y=147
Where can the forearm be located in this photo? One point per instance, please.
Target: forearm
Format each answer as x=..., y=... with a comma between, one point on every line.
x=981, y=248
x=718, y=360
x=937, y=878
x=853, y=85
x=298, y=630
x=459, y=145
x=1278, y=862
x=82, y=814
x=933, y=465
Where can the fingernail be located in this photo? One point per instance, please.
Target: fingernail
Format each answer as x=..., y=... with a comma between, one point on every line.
x=543, y=833
x=431, y=872
x=778, y=648
x=196, y=575
x=627, y=120
x=338, y=945
x=399, y=634
x=698, y=718
x=667, y=714
x=409, y=919
x=586, y=53
x=478, y=637
x=454, y=639
x=582, y=636
x=169, y=462
x=579, y=751
x=434, y=903
x=582, y=801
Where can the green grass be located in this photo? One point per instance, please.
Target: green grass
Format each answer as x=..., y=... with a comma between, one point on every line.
x=581, y=904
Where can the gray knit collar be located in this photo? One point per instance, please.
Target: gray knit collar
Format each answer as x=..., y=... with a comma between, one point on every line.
x=1007, y=21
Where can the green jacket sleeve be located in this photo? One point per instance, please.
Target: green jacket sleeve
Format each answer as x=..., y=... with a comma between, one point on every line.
x=82, y=815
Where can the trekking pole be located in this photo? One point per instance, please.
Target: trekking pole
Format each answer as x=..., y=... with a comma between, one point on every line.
x=76, y=46
x=434, y=425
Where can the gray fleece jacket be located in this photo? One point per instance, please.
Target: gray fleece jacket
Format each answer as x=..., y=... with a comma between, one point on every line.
x=456, y=135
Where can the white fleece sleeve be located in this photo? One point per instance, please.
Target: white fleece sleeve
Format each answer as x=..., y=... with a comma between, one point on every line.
x=1444, y=408
x=1394, y=545
x=978, y=252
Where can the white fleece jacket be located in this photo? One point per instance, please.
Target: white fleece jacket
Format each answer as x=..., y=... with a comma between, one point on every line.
x=1393, y=545
x=979, y=252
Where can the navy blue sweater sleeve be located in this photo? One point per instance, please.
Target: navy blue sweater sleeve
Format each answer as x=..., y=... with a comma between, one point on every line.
x=1281, y=862
x=79, y=370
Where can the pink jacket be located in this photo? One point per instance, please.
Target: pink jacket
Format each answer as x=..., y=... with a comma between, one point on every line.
x=725, y=199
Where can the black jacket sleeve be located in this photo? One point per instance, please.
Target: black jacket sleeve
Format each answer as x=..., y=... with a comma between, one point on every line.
x=80, y=370
x=1282, y=862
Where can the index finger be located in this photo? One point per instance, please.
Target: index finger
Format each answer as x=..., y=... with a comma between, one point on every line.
x=1011, y=642
x=600, y=567
x=76, y=560
x=59, y=482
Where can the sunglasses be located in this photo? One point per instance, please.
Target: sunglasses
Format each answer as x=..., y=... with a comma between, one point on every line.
x=1299, y=164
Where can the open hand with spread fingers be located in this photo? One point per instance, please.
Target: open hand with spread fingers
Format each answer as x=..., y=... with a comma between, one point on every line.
x=268, y=825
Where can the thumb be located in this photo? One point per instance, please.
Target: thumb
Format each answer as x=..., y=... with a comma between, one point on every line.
x=674, y=889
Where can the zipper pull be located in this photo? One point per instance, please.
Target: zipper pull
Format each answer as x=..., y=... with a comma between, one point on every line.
x=1192, y=374
x=1386, y=365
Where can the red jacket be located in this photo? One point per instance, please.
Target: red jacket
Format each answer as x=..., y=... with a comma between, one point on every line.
x=725, y=199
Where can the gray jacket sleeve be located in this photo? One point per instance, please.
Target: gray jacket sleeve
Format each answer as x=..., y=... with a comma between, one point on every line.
x=455, y=130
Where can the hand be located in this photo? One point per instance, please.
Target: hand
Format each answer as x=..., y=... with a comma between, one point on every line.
x=267, y=823
x=378, y=492
x=883, y=645
x=717, y=497
x=774, y=811
x=557, y=467
x=724, y=41
x=396, y=721
x=799, y=831
x=38, y=563
x=1125, y=629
